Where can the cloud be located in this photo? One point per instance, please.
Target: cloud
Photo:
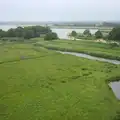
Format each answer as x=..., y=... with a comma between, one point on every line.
x=59, y=10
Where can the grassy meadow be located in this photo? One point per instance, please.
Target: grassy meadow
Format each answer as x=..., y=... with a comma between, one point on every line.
x=45, y=85
x=83, y=46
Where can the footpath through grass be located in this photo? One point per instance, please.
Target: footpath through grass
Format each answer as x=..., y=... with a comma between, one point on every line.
x=83, y=46
x=55, y=87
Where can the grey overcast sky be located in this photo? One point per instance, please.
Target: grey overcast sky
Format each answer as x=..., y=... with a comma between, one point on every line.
x=59, y=10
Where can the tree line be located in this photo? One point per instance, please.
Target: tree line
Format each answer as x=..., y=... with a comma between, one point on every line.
x=114, y=34
x=28, y=32
x=37, y=31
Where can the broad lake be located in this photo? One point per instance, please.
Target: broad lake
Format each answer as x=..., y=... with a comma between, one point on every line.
x=63, y=32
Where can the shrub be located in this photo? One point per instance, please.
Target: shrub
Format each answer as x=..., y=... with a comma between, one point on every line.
x=117, y=117
x=114, y=45
x=51, y=36
x=114, y=34
x=98, y=34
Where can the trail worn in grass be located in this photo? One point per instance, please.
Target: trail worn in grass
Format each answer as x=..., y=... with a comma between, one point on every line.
x=56, y=87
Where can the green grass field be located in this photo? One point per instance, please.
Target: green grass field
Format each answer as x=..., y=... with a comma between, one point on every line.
x=83, y=46
x=53, y=86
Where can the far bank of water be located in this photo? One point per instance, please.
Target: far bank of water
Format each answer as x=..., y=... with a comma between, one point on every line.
x=62, y=32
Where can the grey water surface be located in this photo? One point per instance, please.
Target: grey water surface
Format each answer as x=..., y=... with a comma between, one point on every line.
x=116, y=88
x=91, y=57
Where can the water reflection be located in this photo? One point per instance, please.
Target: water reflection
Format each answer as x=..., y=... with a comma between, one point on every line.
x=116, y=88
x=91, y=57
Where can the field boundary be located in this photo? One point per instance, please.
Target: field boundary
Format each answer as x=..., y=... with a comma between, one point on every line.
x=25, y=58
x=79, y=51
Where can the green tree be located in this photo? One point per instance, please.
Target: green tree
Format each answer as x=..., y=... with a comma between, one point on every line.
x=114, y=34
x=98, y=34
x=11, y=33
x=74, y=34
x=27, y=32
x=87, y=32
x=51, y=36
x=2, y=33
x=19, y=32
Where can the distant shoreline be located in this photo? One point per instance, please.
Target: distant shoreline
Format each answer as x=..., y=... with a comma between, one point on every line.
x=84, y=27
x=102, y=28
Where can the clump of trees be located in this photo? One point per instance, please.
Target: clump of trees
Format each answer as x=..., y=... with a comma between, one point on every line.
x=98, y=34
x=51, y=36
x=25, y=32
x=73, y=34
x=87, y=33
x=114, y=34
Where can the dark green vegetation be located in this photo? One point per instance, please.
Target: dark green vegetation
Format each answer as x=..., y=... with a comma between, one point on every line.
x=51, y=36
x=114, y=34
x=73, y=33
x=25, y=32
x=90, y=47
x=87, y=33
x=53, y=86
x=98, y=34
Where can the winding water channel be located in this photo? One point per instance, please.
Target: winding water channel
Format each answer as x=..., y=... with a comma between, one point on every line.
x=115, y=86
x=91, y=57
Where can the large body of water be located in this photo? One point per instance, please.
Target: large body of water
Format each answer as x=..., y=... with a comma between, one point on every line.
x=62, y=32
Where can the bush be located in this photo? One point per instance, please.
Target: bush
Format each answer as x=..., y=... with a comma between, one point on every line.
x=117, y=117
x=114, y=34
x=25, y=32
x=113, y=45
x=87, y=33
x=51, y=36
x=98, y=34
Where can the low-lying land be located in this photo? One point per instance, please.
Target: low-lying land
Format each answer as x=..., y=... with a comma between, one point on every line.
x=53, y=86
x=90, y=47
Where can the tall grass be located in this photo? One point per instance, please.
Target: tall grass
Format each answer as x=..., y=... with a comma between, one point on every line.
x=56, y=87
x=93, y=52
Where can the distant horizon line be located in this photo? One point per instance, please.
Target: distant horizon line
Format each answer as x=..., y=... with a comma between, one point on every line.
x=62, y=21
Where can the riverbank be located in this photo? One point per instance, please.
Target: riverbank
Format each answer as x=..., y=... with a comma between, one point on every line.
x=91, y=57
x=83, y=46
